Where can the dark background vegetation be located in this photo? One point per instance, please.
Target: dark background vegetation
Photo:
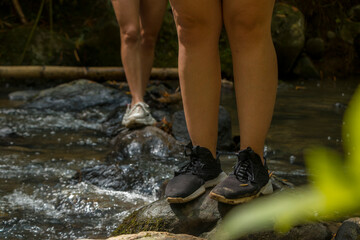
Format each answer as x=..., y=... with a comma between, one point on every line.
x=85, y=33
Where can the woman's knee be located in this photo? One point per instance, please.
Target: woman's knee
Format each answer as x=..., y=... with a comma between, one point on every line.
x=130, y=35
x=245, y=28
x=148, y=39
x=194, y=31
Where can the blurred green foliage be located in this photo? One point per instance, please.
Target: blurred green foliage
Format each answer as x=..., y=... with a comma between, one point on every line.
x=333, y=193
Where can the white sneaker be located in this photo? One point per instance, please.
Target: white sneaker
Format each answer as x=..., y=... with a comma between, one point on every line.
x=137, y=116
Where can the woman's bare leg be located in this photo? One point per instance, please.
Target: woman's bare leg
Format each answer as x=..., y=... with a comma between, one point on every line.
x=199, y=25
x=151, y=17
x=127, y=14
x=248, y=24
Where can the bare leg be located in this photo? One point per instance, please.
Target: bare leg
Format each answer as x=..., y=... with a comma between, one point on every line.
x=247, y=24
x=127, y=14
x=151, y=17
x=198, y=25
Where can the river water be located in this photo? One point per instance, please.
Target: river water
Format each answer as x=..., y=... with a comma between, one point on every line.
x=39, y=200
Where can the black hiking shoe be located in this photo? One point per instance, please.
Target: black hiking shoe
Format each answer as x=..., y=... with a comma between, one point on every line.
x=249, y=179
x=190, y=181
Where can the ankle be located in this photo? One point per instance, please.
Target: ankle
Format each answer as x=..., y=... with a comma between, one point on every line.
x=260, y=156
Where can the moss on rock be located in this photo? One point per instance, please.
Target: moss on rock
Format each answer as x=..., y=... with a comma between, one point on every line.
x=132, y=224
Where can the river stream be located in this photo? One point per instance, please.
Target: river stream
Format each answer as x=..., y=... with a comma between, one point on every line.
x=45, y=149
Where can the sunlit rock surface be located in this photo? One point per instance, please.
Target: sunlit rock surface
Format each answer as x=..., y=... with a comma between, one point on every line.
x=150, y=235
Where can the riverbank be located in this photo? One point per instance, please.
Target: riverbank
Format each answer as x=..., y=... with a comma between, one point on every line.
x=312, y=39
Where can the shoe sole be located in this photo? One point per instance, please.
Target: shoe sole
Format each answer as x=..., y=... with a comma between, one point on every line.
x=267, y=189
x=199, y=191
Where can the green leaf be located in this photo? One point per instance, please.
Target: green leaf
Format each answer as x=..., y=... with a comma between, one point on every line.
x=280, y=211
x=335, y=188
x=351, y=137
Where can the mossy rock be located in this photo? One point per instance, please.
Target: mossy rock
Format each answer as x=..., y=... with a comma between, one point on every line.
x=132, y=224
x=45, y=48
x=193, y=218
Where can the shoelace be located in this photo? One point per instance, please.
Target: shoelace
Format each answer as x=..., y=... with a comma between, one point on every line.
x=194, y=165
x=244, y=170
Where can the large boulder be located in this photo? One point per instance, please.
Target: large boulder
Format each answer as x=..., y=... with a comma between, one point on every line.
x=195, y=217
x=140, y=161
x=116, y=177
x=305, y=68
x=349, y=230
x=45, y=47
x=78, y=95
x=288, y=33
x=354, y=13
x=180, y=131
x=149, y=141
x=349, y=30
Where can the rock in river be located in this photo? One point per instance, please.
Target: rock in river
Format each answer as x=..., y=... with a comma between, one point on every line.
x=120, y=178
x=149, y=141
x=141, y=160
x=78, y=95
x=195, y=217
x=349, y=230
x=288, y=33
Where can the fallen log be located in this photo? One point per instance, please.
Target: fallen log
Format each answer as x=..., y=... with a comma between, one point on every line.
x=72, y=73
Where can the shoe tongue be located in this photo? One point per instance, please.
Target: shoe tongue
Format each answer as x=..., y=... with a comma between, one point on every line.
x=250, y=155
x=244, y=154
x=137, y=109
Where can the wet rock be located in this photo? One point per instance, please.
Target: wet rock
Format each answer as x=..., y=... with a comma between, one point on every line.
x=140, y=161
x=288, y=33
x=23, y=95
x=78, y=95
x=349, y=230
x=180, y=131
x=120, y=178
x=349, y=30
x=315, y=48
x=7, y=136
x=305, y=68
x=112, y=125
x=155, y=236
x=149, y=141
x=195, y=217
x=354, y=13
x=7, y=132
x=160, y=115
